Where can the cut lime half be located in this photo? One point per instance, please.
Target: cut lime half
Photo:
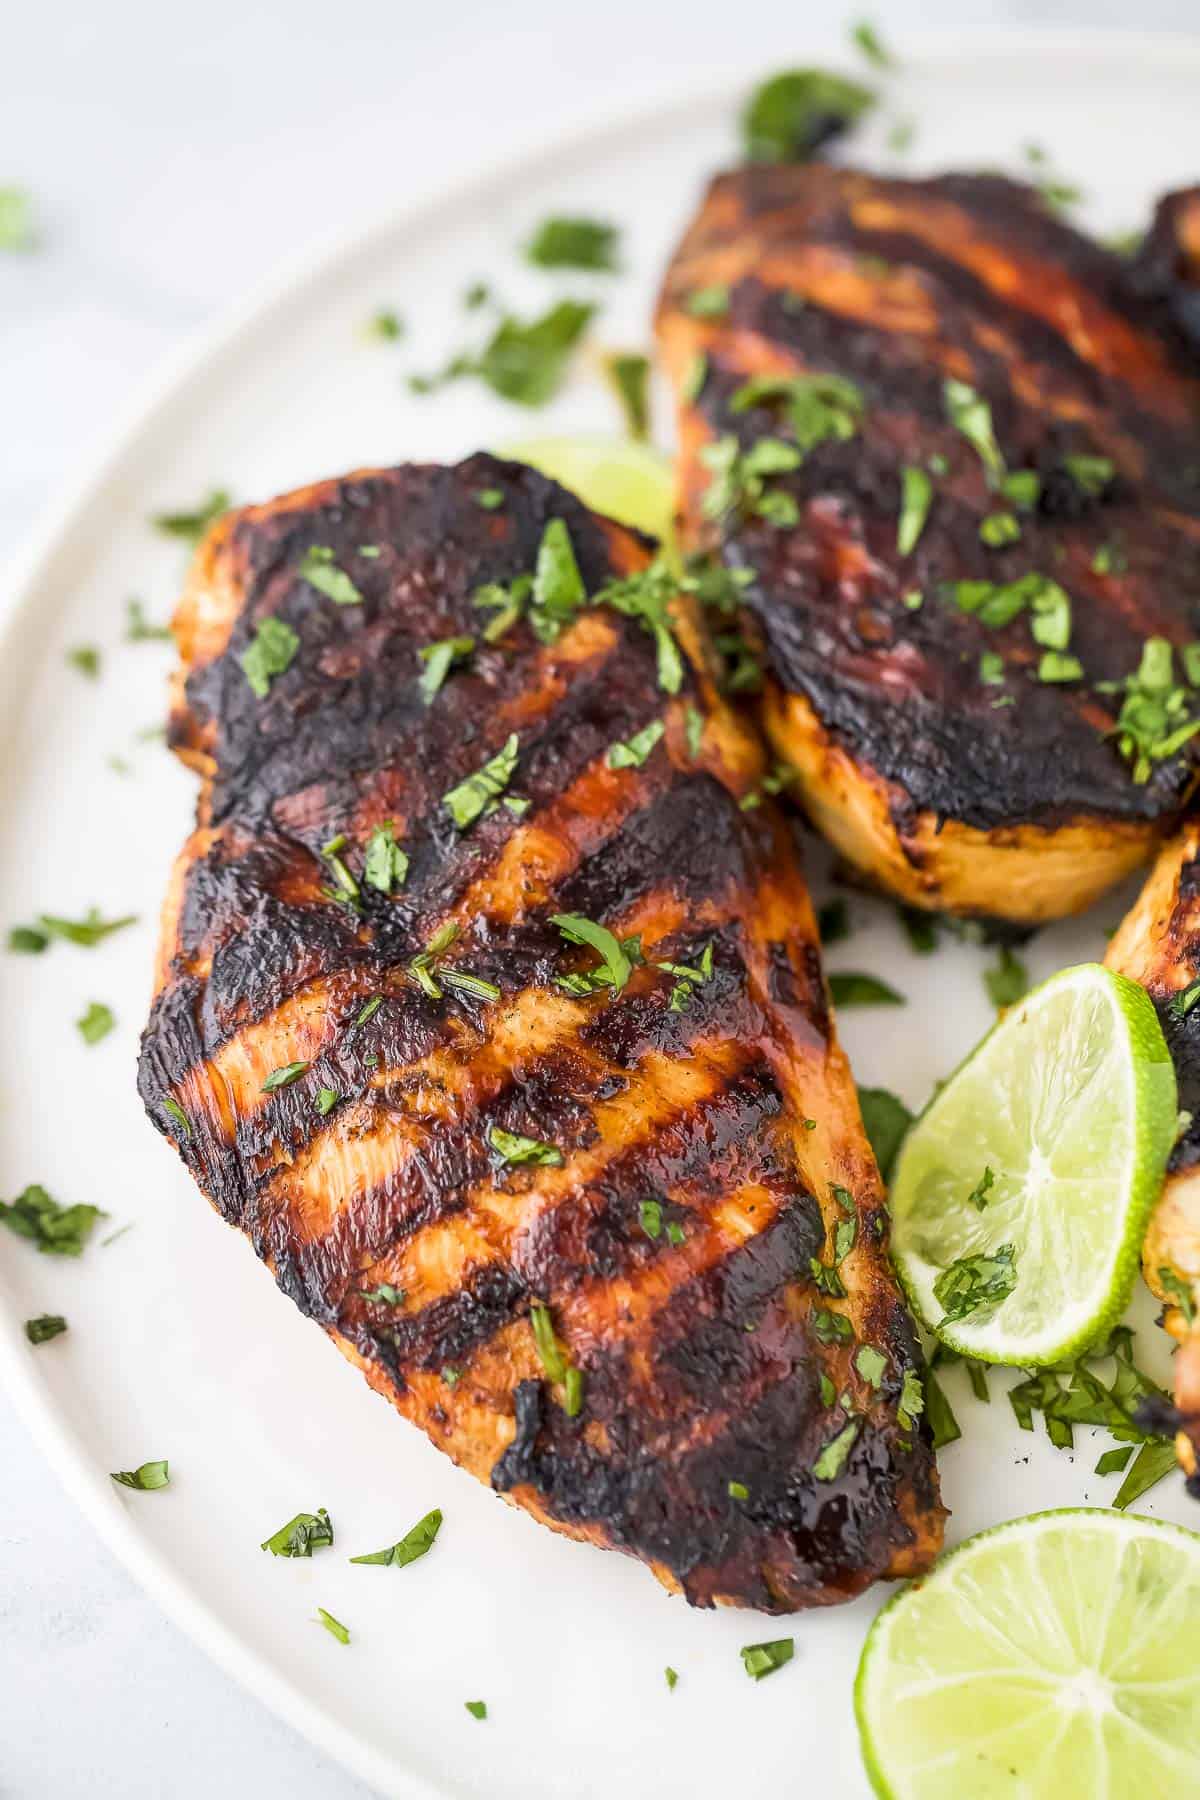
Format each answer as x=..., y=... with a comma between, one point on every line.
x=1022, y=1193
x=1053, y=1658
x=629, y=482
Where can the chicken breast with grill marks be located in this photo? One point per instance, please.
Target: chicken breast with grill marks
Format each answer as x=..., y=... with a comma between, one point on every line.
x=597, y=1212
x=952, y=448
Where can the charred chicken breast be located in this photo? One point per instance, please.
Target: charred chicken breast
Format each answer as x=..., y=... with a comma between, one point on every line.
x=490, y=1008
x=949, y=450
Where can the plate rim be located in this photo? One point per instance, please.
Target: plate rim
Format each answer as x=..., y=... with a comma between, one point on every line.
x=64, y=515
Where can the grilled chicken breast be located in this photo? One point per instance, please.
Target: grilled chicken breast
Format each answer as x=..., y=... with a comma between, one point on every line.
x=952, y=449
x=1158, y=944
x=596, y=1212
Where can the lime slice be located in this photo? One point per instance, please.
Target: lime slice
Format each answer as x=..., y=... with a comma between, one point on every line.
x=1053, y=1658
x=1022, y=1193
x=629, y=482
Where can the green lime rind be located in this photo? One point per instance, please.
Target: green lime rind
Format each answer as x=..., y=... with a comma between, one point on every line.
x=1052, y=1656
x=1070, y=1100
x=627, y=481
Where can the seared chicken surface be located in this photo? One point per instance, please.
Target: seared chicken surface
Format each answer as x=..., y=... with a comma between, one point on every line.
x=952, y=448
x=1158, y=944
x=600, y=1218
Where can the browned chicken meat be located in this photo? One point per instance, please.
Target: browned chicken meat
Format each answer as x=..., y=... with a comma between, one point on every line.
x=490, y=1009
x=949, y=450
x=1158, y=944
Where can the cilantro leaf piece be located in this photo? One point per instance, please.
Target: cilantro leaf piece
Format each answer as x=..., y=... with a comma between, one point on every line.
x=333, y=1626
x=886, y=1120
x=647, y=597
x=283, y=1077
x=671, y=1676
x=95, y=1023
x=86, y=932
x=27, y=940
x=1155, y=1460
x=318, y=568
x=688, y=976
x=974, y=1281
x=851, y=988
x=191, y=526
x=916, y=497
x=385, y=1294
x=515, y=1151
x=149, y=1476
x=526, y=362
x=912, y=1399
x=56, y=1230
x=139, y=630
x=476, y=1708
x=970, y=414
x=414, y=1544
x=439, y=658
x=386, y=865
x=830, y=1327
x=629, y=373
x=386, y=325
x=574, y=243
x=16, y=220
x=943, y=1425
x=325, y=1100
x=979, y=1193
x=615, y=966
x=270, y=653
x=833, y=1457
x=1007, y=981
x=1114, y=1460
x=302, y=1535
x=871, y=1364
x=867, y=38
x=466, y=802
x=558, y=591
x=795, y=113
x=175, y=1112
x=633, y=752
x=85, y=658
x=761, y=1660
x=45, y=1327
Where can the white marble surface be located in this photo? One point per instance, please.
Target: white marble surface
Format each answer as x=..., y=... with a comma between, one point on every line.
x=175, y=158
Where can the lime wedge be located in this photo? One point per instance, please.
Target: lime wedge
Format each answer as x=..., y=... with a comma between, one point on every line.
x=1053, y=1658
x=1021, y=1195
x=629, y=482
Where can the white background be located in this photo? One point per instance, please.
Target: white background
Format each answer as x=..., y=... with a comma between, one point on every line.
x=175, y=157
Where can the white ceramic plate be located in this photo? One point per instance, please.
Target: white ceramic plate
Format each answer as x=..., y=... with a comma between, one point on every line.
x=180, y=1346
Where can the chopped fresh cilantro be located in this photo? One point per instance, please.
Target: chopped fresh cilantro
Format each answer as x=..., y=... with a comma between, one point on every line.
x=688, y=976
x=650, y=1217
x=647, y=597
x=318, y=568
x=333, y=1626
x=916, y=497
x=851, y=988
x=385, y=865
x=558, y=591
x=738, y=1490
x=269, y=653
x=819, y=406
x=369, y=1010
x=999, y=529
x=565, y=243
x=970, y=414
x=95, y=1023
x=1153, y=1461
x=833, y=1457
x=979, y=1193
x=920, y=928
x=177, y=1115
x=886, y=1120
x=139, y=630
x=551, y=1353
x=283, y=1077
x=386, y=325
x=1114, y=1460
x=56, y=1230
x=694, y=377
x=671, y=1676
x=615, y=966
x=302, y=1535
x=991, y=668
x=830, y=1327
x=629, y=373
x=1022, y=488
x=912, y=1399
x=763, y=1659
x=27, y=940
x=414, y=1544
x=871, y=1364
x=85, y=658
x=16, y=220
x=471, y=798
x=149, y=1476
x=515, y=1151
x=1092, y=474
x=633, y=752
x=793, y=114
x=525, y=362
x=826, y=1279
x=975, y=1281
x=675, y=1233
x=45, y=1327
x=1054, y=666
x=325, y=1100
x=867, y=38
x=191, y=526
x=385, y=1294
x=1152, y=724
x=490, y=499
x=476, y=1708
x=708, y=302
x=508, y=602
x=1007, y=981
x=943, y=1425
x=86, y=932
x=438, y=659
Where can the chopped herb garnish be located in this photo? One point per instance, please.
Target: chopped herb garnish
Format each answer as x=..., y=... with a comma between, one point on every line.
x=139, y=630
x=564, y=243
x=525, y=361
x=16, y=220
x=1151, y=725
x=675, y=1233
x=558, y=591
x=56, y=1230
x=369, y=1010
x=413, y=1545
x=647, y=597
x=979, y=1193
x=830, y=1327
x=438, y=659
x=1114, y=1460
x=826, y=1279
x=671, y=1676
x=688, y=976
x=1180, y=1291
x=615, y=966
x=385, y=325
x=476, y=1708
x=991, y=668
x=913, y=600
x=333, y=1626
x=85, y=658
x=694, y=377
x=1054, y=666
x=1000, y=529
x=176, y=1113
x=798, y=111
x=633, y=752
x=629, y=374
x=385, y=1294
x=833, y=921
x=508, y=602
x=302, y=1535
x=191, y=526
x=764, y=1659
x=886, y=1120
x=1092, y=474
x=650, y=1217
x=385, y=865
x=867, y=38
x=45, y=1327
x=86, y=932
x=490, y=499
x=149, y=1476
x=820, y=407
x=912, y=1400
x=916, y=497
x=944, y=1427
x=96, y=1022
x=318, y=568
x=1153, y=1461
x=1007, y=981
x=738, y=1490
x=975, y=1281
x=871, y=1364
x=851, y=988
x=970, y=414
x=515, y=1151
x=325, y=1100
x=466, y=802
x=708, y=302
x=833, y=1457
x=283, y=1077
x=270, y=653
x=26, y=940
x=1023, y=488
x=554, y=1359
